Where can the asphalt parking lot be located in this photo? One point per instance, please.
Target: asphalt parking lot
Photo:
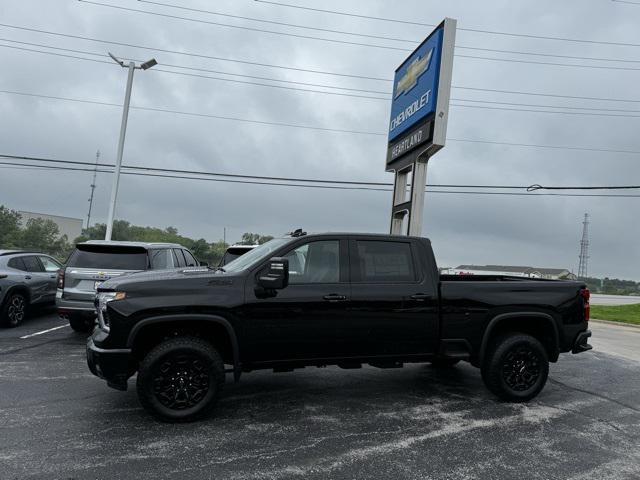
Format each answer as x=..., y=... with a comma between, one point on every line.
x=58, y=421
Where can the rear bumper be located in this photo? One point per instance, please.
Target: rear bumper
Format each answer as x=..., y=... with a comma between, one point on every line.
x=112, y=365
x=580, y=344
x=65, y=306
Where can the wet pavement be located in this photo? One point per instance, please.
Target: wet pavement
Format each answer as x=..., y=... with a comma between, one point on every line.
x=58, y=421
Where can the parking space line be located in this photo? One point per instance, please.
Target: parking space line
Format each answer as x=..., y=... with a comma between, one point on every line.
x=44, y=331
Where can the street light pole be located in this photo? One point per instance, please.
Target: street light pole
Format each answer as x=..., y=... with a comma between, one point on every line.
x=123, y=130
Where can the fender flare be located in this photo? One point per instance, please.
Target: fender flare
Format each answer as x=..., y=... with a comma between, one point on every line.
x=198, y=317
x=495, y=321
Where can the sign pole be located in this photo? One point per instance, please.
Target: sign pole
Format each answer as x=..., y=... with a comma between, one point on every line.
x=417, y=196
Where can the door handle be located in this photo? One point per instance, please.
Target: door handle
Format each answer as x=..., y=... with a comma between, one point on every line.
x=334, y=297
x=420, y=296
x=52, y=276
x=27, y=277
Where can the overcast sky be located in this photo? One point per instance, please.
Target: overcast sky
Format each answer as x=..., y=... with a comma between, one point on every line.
x=542, y=231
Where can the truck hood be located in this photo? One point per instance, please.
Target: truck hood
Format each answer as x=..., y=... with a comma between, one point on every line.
x=139, y=279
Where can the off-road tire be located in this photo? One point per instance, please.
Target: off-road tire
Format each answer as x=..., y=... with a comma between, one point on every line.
x=516, y=367
x=14, y=310
x=176, y=368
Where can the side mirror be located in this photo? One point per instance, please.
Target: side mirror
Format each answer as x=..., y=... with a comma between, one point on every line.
x=277, y=276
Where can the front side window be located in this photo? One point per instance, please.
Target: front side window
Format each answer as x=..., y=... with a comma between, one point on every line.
x=179, y=257
x=190, y=259
x=161, y=259
x=384, y=262
x=50, y=265
x=315, y=262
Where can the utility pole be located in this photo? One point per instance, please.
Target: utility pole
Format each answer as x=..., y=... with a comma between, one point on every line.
x=224, y=235
x=123, y=130
x=93, y=187
x=584, y=249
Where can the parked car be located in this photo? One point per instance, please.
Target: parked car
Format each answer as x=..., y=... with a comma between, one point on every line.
x=26, y=279
x=233, y=252
x=96, y=261
x=352, y=300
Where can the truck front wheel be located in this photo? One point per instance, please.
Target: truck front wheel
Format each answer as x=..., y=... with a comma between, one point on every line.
x=516, y=367
x=180, y=379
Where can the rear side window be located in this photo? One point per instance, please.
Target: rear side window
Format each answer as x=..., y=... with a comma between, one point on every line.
x=109, y=258
x=32, y=264
x=17, y=263
x=190, y=259
x=179, y=257
x=161, y=259
x=384, y=262
x=50, y=265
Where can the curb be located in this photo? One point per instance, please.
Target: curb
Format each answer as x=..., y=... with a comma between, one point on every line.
x=619, y=324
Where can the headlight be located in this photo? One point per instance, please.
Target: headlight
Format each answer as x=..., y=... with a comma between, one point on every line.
x=102, y=298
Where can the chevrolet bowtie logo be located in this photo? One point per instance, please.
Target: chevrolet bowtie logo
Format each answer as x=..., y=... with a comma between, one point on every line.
x=415, y=70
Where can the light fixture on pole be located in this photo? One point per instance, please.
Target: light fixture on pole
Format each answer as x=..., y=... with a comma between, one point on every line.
x=123, y=129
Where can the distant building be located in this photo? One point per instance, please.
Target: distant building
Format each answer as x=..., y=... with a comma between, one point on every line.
x=517, y=271
x=71, y=227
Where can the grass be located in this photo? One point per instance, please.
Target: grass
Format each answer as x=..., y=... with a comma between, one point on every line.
x=618, y=313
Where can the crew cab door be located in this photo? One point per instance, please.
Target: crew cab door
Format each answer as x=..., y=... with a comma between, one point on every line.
x=394, y=300
x=303, y=320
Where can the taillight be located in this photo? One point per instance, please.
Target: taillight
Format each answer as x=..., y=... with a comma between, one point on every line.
x=61, y=278
x=586, y=295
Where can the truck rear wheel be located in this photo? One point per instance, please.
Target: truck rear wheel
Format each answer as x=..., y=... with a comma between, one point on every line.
x=180, y=379
x=516, y=367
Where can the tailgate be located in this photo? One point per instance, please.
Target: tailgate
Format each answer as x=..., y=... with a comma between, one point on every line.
x=81, y=283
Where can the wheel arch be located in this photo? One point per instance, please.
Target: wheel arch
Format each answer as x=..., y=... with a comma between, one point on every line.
x=538, y=324
x=206, y=325
x=23, y=289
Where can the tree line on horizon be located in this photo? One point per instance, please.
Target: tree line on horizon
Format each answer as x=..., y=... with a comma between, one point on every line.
x=43, y=235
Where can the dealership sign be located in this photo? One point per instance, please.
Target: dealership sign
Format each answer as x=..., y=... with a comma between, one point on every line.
x=420, y=103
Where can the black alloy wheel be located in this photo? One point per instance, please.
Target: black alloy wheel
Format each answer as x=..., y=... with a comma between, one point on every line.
x=521, y=368
x=180, y=379
x=515, y=367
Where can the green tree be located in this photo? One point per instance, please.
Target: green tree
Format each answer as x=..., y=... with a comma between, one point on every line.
x=9, y=228
x=254, y=239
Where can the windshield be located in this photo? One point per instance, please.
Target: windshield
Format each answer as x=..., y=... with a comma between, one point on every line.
x=256, y=255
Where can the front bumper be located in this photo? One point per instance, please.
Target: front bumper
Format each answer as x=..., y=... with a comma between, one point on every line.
x=580, y=344
x=112, y=365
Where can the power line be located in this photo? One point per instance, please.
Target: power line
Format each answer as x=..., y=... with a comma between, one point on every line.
x=240, y=27
x=381, y=37
x=545, y=106
x=557, y=112
x=538, y=94
x=196, y=114
x=530, y=188
x=474, y=30
x=328, y=93
x=309, y=127
x=273, y=22
x=85, y=52
x=222, y=79
x=354, y=43
x=192, y=54
x=456, y=192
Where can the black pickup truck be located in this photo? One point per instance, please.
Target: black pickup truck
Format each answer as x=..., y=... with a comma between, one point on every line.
x=328, y=299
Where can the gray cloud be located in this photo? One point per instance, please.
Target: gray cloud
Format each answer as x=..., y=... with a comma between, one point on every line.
x=541, y=231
